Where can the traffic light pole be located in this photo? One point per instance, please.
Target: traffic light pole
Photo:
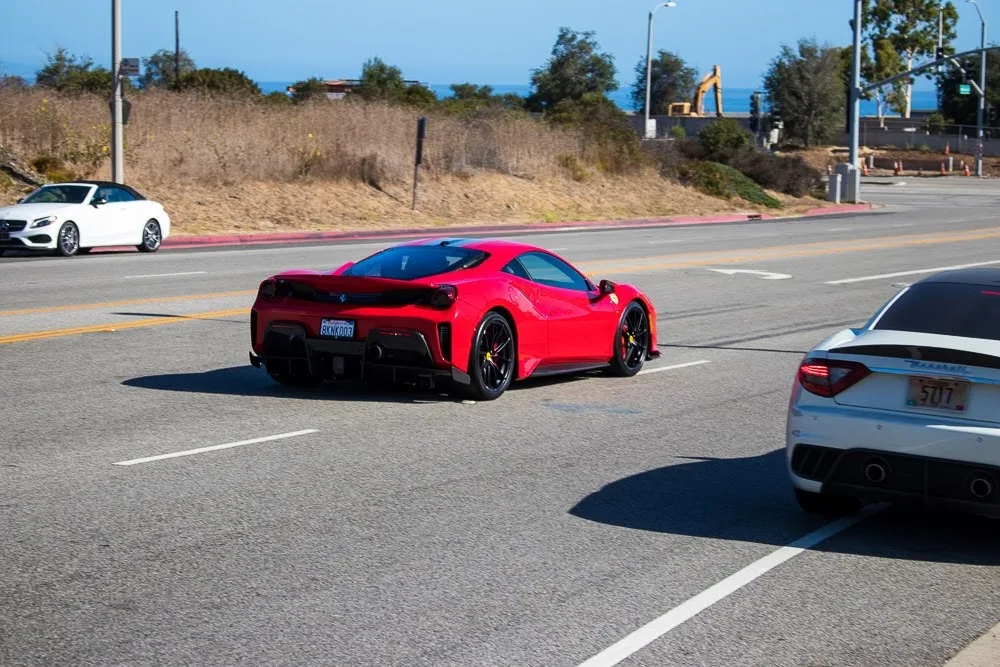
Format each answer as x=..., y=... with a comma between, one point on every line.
x=855, y=103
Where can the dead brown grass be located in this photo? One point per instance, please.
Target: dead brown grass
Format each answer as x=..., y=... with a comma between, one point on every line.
x=187, y=138
x=223, y=165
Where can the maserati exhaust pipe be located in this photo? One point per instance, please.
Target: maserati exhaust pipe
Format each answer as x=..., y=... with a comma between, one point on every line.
x=876, y=471
x=981, y=487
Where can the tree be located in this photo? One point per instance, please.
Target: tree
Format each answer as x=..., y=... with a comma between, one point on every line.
x=159, y=69
x=962, y=109
x=225, y=81
x=911, y=27
x=384, y=83
x=575, y=68
x=309, y=89
x=885, y=64
x=671, y=81
x=806, y=90
x=469, y=98
x=11, y=82
x=65, y=73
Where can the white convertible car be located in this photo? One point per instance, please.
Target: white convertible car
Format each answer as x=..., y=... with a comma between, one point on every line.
x=907, y=408
x=72, y=218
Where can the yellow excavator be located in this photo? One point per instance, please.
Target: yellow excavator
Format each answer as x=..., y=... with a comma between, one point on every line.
x=714, y=79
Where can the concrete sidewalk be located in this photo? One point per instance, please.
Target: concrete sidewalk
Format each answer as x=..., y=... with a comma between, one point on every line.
x=984, y=652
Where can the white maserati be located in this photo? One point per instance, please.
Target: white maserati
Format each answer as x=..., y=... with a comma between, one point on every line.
x=71, y=218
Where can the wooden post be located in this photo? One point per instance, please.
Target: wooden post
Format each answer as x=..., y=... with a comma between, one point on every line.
x=421, y=135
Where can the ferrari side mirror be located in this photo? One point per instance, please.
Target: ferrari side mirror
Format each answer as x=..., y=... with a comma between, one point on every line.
x=607, y=287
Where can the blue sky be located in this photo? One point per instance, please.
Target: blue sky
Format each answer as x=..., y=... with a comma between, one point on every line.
x=435, y=41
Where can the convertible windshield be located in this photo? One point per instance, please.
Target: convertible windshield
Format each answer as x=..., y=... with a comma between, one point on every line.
x=414, y=262
x=949, y=309
x=58, y=194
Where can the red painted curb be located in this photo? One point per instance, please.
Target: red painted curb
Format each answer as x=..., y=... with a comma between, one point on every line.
x=180, y=242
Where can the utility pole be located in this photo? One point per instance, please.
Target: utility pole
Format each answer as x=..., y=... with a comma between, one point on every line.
x=177, y=50
x=982, y=91
x=940, y=52
x=649, y=63
x=856, y=101
x=117, y=124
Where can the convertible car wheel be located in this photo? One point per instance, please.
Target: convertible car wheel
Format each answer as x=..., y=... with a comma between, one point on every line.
x=631, y=341
x=491, y=367
x=68, y=241
x=152, y=237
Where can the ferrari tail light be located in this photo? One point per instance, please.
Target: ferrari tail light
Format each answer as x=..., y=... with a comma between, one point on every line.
x=444, y=297
x=829, y=377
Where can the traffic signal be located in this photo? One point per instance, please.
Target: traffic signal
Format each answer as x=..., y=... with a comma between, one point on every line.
x=991, y=115
x=939, y=53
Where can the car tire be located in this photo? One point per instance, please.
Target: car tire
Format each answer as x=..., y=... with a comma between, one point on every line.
x=631, y=342
x=826, y=504
x=493, y=358
x=152, y=237
x=68, y=240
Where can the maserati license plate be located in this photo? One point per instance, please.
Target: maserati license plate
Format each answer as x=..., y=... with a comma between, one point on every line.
x=948, y=395
x=336, y=328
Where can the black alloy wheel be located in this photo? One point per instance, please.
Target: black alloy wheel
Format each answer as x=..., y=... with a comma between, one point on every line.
x=631, y=341
x=493, y=357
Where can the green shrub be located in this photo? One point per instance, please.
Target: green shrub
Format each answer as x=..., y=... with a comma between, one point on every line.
x=719, y=180
x=723, y=137
x=678, y=132
x=608, y=138
x=788, y=175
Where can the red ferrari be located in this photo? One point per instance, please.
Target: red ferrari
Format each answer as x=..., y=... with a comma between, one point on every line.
x=477, y=313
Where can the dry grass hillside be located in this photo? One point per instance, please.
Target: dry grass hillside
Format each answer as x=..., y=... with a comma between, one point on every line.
x=223, y=165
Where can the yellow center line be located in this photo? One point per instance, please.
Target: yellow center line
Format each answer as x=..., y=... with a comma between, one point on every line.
x=129, y=302
x=118, y=326
x=783, y=252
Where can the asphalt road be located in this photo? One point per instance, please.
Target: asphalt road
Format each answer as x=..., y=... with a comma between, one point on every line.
x=407, y=528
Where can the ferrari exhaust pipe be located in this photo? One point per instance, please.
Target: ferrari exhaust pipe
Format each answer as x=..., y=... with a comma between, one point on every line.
x=377, y=352
x=876, y=471
x=981, y=487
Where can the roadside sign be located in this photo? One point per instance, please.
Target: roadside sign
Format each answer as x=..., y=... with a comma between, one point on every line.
x=964, y=89
x=130, y=67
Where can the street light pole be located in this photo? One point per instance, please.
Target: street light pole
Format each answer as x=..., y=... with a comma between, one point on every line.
x=649, y=63
x=856, y=101
x=982, y=91
x=117, y=126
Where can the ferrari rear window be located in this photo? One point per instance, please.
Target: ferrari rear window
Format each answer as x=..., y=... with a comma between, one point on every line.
x=948, y=309
x=415, y=262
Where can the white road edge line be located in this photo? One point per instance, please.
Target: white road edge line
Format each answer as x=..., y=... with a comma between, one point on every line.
x=694, y=606
x=167, y=275
x=214, y=448
x=660, y=369
x=910, y=273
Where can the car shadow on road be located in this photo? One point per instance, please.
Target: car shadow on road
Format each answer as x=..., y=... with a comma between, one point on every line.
x=249, y=381
x=750, y=500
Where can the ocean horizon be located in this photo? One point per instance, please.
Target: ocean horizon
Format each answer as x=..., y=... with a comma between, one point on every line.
x=734, y=100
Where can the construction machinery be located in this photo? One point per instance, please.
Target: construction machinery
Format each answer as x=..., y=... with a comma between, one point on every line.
x=696, y=108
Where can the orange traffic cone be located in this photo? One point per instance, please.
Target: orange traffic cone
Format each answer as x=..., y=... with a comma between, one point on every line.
x=947, y=148
x=967, y=172
x=943, y=172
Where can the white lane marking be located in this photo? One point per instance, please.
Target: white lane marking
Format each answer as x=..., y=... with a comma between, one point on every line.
x=655, y=629
x=764, y=275
x=214, y=448
x=660, y=369
x=903, y=224
x=166, y=275
x=910, y=273
x=840, y=229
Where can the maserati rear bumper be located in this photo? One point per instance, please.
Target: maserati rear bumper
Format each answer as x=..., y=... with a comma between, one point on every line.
x=400, y=355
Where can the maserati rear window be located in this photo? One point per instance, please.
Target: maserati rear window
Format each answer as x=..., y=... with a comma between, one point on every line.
x=415, y=262
x=948, y=309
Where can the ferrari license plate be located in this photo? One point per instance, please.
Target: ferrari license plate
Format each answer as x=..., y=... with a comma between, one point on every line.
x=948, y=395
x=336, y=328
